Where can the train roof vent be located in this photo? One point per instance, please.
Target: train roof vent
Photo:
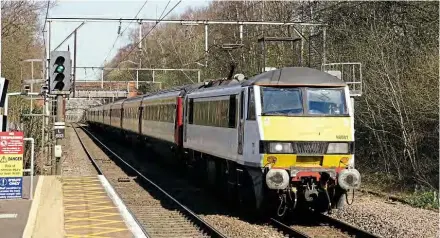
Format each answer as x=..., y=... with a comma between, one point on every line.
x=239, y=77
x=350, y=73
x=266, y=69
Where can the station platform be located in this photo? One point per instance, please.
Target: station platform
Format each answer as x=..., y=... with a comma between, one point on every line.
x=68, y=207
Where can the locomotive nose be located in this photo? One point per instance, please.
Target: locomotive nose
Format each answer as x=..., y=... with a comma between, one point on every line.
x=349, y=179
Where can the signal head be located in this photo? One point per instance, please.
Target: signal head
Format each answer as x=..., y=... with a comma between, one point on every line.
x=60, y=72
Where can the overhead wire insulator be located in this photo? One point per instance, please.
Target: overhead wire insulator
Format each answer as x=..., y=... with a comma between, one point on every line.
x=119, y=27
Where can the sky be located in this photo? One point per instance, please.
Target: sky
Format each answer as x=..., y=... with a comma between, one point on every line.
x=95, y=39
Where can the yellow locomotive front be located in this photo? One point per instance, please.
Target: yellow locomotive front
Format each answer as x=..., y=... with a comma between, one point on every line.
x=307, y=143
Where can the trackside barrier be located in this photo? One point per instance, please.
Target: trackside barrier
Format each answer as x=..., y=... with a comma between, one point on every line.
x=31, y=170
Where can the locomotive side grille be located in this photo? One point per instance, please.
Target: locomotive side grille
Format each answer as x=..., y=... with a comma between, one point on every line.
x=310, y=147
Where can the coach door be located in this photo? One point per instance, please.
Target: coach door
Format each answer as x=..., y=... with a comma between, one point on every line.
x=241, y=122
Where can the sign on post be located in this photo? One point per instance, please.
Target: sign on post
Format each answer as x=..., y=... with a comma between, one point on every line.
x=59, y=128
x=11, y=164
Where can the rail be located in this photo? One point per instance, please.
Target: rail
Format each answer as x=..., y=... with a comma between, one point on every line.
x=322, y=219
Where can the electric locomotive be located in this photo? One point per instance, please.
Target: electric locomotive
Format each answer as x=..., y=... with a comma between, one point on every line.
x=283, y=139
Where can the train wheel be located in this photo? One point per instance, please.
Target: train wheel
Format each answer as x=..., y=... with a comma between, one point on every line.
x=211, y=172
x=250, y=192
x=231, y=183
x=339, y=198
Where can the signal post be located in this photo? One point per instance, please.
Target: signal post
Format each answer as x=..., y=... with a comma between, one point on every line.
x=59, y=85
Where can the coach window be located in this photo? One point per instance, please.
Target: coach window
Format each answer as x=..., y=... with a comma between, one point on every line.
x=191, y=111
x=251, y=105
x=241, y=105
x=232, y=111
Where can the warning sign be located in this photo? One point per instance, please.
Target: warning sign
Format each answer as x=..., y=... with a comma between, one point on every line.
x=11, y=164
x=11, y=142
x=11, y=188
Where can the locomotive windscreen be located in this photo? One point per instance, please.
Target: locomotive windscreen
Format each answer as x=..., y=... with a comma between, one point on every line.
x=300, y=101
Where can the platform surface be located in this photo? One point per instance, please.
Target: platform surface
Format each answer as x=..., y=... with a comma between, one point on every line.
x=14, y=213
x=88, y=210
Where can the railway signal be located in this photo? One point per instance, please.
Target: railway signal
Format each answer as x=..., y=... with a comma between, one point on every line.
x=60, y=68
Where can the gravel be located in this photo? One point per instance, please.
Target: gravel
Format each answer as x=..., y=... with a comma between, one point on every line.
x=234, y=227
x=321, y=231
x=389, y=219
x=76, y=162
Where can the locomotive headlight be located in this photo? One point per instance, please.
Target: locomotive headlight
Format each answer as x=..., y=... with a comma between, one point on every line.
x=337, y=148
x=278, y=147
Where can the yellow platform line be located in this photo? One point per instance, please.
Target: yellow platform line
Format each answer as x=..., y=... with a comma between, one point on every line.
x=84, y=194
x=79, y=180
x=82, y=182
x=108, y=232
x=97, y=219
x=86, y=199
x=90, y=198
x=88, y=236
x=94, y=218
x=97, y=209
x=74, y=211
x=95, y=225
x=82, y=189
x=86, y=204
x=93, y=215
x=81, y=185
x=90, y=210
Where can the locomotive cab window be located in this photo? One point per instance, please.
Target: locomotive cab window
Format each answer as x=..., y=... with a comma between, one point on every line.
x=251, y=105
x=326, y=101
x=281, y=101
x=300, y=101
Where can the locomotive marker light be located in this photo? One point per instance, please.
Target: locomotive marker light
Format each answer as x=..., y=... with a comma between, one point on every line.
x=60, y=67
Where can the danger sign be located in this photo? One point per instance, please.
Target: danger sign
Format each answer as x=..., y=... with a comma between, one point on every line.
x=11, y=142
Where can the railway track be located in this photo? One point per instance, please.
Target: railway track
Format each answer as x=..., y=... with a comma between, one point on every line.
x=336, y=227
x=318, y=227
x=159, y=213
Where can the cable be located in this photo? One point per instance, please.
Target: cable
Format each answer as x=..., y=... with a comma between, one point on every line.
x=165, y=8
x=117, y=37
x=148, y=33
x=45, y=18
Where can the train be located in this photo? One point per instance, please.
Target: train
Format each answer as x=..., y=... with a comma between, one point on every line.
x=278, y=141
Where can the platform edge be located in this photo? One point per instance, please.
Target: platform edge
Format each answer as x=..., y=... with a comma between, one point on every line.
x=126, y=216
x=30, y=224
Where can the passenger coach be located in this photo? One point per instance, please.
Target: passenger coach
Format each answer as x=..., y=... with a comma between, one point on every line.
x=292, y=128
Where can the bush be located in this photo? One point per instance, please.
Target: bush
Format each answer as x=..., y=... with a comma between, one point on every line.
x=427, y=199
